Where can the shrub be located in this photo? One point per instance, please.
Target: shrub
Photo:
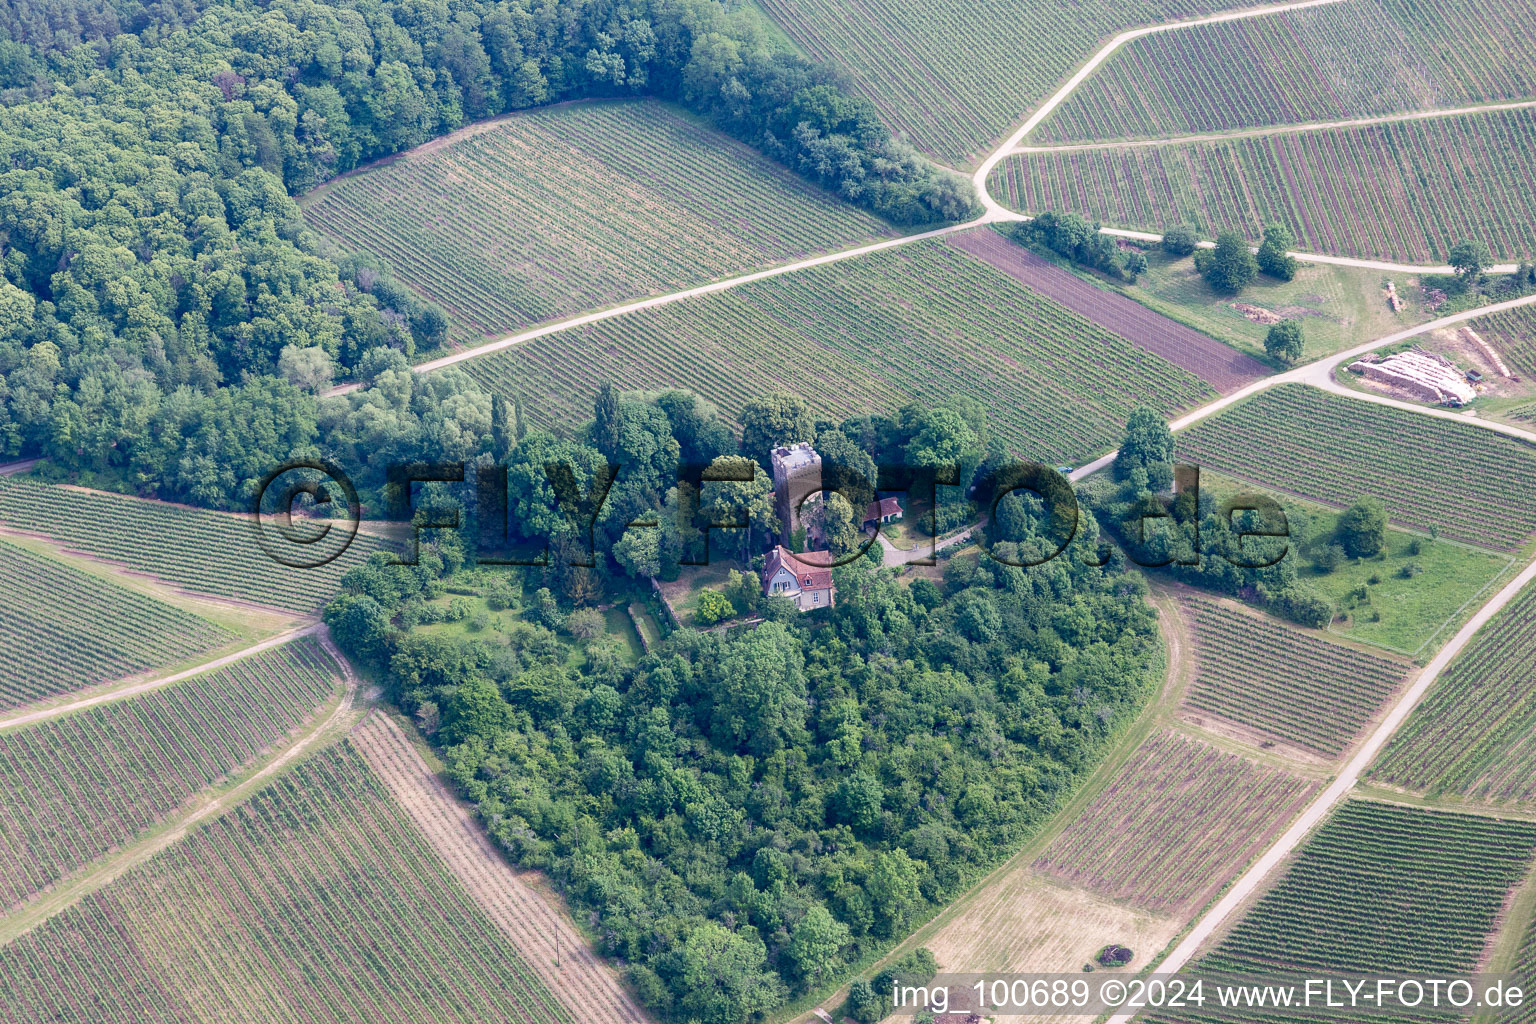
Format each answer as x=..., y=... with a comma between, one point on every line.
x=1179, y=240
x=1363, y=528
x=713, y=607
x=585, y=624
x=1286, y=340
x=1231, y=266
x=1273, y=257
x=1329, y=558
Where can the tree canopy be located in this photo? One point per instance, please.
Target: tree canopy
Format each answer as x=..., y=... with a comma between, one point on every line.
x=1286, y=340
x=745, y=813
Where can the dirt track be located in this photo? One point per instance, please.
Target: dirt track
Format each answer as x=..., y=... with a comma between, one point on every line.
x=539, y=931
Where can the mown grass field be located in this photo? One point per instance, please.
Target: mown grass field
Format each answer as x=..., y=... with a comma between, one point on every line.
x=554, y=212
x=346, y=913
x=1405, y=191
x=915, y=324
x=1475, y=733
x=1378, y=888
x=955, y=77
x=215, y=553
x=1409, y=599
x=1284, y=682
x=1469, y=483
x=1338, y=306
x=1360, y=58
x=1178, y=820
x=74, y=787
x=66, y=630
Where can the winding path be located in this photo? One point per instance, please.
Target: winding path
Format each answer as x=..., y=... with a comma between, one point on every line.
x=134, y=690
x=992, y=213
x=178, y=825
x=1251, y=879
x=1274, y=129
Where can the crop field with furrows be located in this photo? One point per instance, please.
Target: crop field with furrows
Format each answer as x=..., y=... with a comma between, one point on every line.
x=540, y=932
x=1475, y=733
x=954, y=78
x=1512, y=334
x=915, y=324
x=1404, y=191
x=65, y=630
x=647, y=202
x=1285, y=683
x=344, y=913
x=1378, y=888
x=1359, y=58
x=1469, y=483
x=1174, y=826
x=74, y=787
x=1219, y=365
x=1525, y=970
x=213, y=553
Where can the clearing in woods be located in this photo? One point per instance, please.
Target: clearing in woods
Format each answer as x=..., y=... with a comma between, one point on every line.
x=1180, y=817
x=66, y=630
x=1382, y=191
x=348, y=912
x=75, y=787
x=1289, y=684
x=648, y=202
x=1361, y=58
x=915, y=324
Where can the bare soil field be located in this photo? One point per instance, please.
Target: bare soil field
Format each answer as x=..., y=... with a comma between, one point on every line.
x=1223, y=367
x=1179, y=820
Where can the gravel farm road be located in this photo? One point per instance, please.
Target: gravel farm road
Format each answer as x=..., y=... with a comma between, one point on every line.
x=1336, y=791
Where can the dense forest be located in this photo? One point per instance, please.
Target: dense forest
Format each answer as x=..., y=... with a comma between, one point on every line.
x=744, y=814
x=165, y=315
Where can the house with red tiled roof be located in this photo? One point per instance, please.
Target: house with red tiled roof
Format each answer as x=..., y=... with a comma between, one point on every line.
x=886, y=510
x=809, y=586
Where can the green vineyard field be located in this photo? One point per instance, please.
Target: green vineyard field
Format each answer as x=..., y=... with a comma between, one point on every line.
x=1287, y=684
x=1379, y=888
x=1179, y=819
x=344, y=913
x=1470, y=483
x=74, y=787
x=893, y=327
x=1475, y=733
x=213, y=553
x=65, y=629
x=1513, y=336
x=1362, y=58
x=1401, y=191
x=1525, y=969
x=955, y=77
x=647, y=202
